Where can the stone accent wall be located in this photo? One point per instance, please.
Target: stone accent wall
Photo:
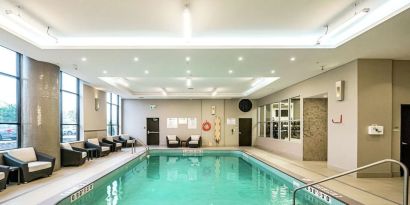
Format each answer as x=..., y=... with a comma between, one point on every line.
x=315, y=129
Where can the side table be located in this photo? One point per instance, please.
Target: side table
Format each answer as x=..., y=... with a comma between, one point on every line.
x=13, y=169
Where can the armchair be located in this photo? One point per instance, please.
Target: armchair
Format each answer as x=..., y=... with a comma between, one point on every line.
x=116, y=145
x=72, y=156
x=194, y=141
x=103, y=149
x=128, y=140
x=32, y=164
x=4, y=174
x=173, y=141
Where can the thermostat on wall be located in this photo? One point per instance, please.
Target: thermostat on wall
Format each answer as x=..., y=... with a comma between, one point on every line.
x=375, y=130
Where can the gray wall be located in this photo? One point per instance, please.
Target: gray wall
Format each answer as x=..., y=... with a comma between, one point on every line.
x=342, y=138
x=40, y=107
x=315, y=129
x=95, y=122
x=135, y=113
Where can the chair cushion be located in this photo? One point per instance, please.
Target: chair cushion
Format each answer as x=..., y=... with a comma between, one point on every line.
x=195, y=137
x=173, y=142
x=84, y=154
x=125, y=136
x=66, y=146
x=172, y=137
x=193, y=142
x=104, y=148
x=2, y=175
x=94, y=141
x=39, y=165
x=24, y=154
x=118, y=144
x=109, y=138
x=130, y=141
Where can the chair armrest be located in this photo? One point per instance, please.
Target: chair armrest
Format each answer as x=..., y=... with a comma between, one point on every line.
x=79, y=149
x=106, y=144
x=4, y=168
x=44, y=157
x=106, y=141
x=12, y=161
x=70, y=152
x=178, y=139
x=189, y=139
x=91, y=145
x=119, y=141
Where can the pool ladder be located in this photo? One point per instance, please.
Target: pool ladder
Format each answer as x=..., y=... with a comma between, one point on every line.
x=405, y=180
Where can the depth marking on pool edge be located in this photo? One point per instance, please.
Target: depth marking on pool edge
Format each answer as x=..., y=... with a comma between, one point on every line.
x=81, y=192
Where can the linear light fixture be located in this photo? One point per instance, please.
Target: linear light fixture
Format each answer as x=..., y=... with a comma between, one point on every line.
x=164, y=92
x=215, y=92
x=346, y=24
x=188, y=82
x=20, y=19
x=187, y=24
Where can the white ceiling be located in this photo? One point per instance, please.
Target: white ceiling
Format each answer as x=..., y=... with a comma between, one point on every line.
x=209, y=67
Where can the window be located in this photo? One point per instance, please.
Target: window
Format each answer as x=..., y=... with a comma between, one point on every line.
x=113, y=117
x=70, y=103
x=9, y=99
x=280, y=120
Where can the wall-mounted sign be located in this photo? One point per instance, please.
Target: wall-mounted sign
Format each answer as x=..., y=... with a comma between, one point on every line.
x=182, y=120
x=231, y=121
x=172, y=122
x=340, y=89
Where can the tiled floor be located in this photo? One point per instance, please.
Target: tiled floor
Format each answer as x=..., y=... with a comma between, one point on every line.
x=367, y=191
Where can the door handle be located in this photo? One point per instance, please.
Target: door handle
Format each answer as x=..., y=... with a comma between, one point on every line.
x=151, y=132
x=404, y=143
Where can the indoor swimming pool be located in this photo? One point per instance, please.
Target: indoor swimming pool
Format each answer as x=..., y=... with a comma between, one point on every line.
x=208, y=177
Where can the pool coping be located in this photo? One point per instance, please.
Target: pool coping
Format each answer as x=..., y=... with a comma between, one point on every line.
x=84, y=183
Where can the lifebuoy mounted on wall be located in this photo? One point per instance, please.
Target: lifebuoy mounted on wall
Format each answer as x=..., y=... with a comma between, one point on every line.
x=206, y=126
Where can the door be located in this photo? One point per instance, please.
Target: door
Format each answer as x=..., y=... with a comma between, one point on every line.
x=245, y=131
x=152, y=131
x=405, y=136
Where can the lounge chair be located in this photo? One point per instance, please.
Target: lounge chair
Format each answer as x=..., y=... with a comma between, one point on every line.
x=128, y=139
x=116, y=144
x=72, y=156
x=173, y=141
x=103, y=149
x=194, y=141
x=4, y=174
x=32, y=164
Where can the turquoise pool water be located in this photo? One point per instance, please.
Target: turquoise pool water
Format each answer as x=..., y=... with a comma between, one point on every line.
x=214, y=178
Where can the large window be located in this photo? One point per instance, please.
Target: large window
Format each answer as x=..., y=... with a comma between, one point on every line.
x=280, y=120
x=70, y=103
x=113, y=116
x=9, y=99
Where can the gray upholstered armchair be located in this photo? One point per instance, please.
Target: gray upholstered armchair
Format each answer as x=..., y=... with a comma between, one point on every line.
x=194, y=141
x=173, y=141
x=32, y=164
x=103, y=149
x=4, y=174
x=72, y=156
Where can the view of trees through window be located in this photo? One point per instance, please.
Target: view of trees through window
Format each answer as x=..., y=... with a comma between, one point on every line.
x=69, y=108
x=9, y=99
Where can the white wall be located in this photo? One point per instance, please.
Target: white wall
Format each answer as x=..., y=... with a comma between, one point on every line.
x=342, y=138
x=135, y=113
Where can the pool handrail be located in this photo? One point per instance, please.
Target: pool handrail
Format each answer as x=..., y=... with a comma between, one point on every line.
x=405, y=174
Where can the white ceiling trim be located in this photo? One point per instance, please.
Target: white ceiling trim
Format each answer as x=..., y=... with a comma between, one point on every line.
x=22, y=25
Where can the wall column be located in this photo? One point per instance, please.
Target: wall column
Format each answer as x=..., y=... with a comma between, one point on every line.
x=40, y=107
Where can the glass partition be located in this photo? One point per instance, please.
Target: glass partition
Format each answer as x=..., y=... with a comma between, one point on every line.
x=295, y=118
x=275, y=120
x=284, y=119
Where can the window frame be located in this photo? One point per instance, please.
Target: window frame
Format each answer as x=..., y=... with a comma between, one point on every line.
x=17, y=77
x=62, y=124
x=110, y=106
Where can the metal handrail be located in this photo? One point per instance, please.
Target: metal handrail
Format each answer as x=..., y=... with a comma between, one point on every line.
x=143, y=144
x=405, y=183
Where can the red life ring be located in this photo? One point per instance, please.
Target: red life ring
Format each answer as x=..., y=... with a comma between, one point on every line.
x=206, y=126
